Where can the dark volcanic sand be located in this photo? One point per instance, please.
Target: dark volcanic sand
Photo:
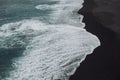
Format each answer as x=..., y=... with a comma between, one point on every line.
x=104, y=63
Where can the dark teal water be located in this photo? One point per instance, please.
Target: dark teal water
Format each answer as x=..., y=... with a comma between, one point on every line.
x=13, y=11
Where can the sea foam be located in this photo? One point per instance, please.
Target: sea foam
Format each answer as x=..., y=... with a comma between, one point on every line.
x=53, y=50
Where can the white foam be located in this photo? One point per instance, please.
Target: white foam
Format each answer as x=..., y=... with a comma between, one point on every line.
x=53, y=51
x=65, y=12
x=43, y=7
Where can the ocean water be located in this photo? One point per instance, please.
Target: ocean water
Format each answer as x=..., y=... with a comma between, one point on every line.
x=42, y=39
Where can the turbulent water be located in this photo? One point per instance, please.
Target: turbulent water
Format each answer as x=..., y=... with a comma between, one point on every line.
x=42, y=39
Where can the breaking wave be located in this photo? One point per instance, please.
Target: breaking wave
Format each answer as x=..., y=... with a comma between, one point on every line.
x=53, y=49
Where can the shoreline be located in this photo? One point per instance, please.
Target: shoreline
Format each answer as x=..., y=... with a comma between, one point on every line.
x=103, y=63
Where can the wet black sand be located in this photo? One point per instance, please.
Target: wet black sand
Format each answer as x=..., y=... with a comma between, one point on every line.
x=104, y=63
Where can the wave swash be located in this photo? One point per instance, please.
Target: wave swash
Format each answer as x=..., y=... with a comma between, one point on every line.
x=53, y=48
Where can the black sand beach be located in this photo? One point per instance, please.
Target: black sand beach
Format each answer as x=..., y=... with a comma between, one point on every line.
x=104, y=63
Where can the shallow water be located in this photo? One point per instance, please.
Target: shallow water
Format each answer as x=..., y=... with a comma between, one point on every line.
x=42, y=40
